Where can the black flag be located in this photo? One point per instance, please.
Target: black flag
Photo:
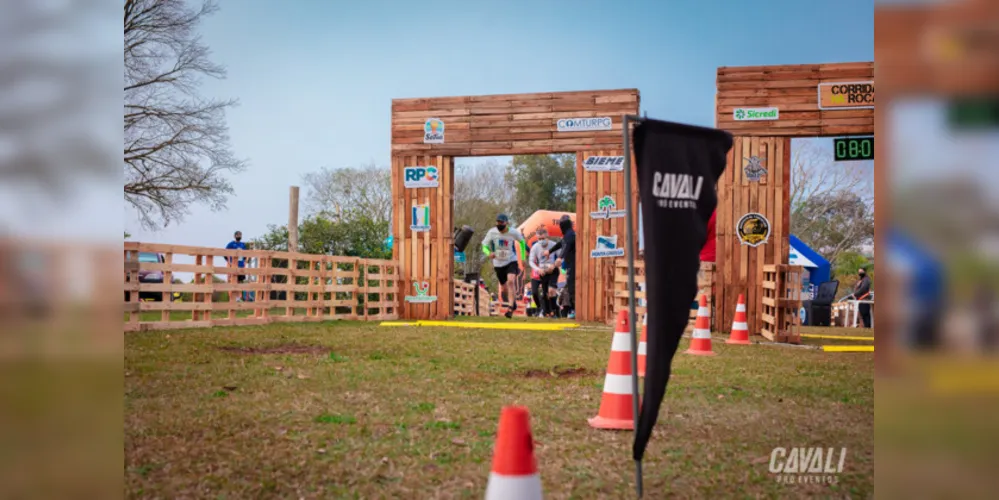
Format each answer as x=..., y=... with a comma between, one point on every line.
x=678, y=166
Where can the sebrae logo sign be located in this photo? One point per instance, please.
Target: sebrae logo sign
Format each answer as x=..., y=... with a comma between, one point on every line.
x=755, y=114
x=606, y=247
x=607, y=209
x=420, y=177
x=846, y=95
x=421, y=297
x=433, y=131
x=421, y=218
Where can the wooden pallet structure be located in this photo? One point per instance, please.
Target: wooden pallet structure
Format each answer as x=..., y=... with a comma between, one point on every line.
x=782, y=298
x=705, y=282
x=464, y=299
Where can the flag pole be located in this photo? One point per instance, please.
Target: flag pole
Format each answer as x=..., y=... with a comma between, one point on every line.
x=630, y=249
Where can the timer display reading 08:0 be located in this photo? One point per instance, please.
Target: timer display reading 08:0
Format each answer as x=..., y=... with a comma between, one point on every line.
x=853, y=148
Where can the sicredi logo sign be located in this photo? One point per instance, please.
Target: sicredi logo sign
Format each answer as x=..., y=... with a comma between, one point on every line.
x=604, y=164
x=420, y=177
x=755, y=114
x=583, y=124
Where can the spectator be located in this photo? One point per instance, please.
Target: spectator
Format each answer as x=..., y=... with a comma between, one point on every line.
x=863, y=292
x=568, y=256
x=237, y=244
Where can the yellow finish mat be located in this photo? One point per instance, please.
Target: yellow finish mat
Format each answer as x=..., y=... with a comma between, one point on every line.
x=848, y=348
x=836, y=337
x=490, y=326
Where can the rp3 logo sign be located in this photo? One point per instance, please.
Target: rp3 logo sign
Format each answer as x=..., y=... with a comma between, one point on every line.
x=420, y=177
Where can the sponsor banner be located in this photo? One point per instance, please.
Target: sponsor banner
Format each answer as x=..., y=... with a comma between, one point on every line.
x=421, y=296
x=420, y=177
x=604, y=164
x=421, y=219
x=753, y=229
x=583, y=124
x=755, y=114
x=606, y=247
x=433, y=131
x=607, y=209
x=846, y=95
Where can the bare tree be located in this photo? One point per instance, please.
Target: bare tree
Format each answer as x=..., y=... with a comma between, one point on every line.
x=176, y=142
x=832, y=204
x=337, y=192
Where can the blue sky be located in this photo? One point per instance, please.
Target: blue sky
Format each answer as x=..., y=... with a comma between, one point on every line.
x=316, y=78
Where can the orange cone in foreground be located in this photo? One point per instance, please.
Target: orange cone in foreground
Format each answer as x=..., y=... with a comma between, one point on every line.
x=615, y=406
x=700, y=344
x=515, y=470
x=740, y=329
x=642, y=346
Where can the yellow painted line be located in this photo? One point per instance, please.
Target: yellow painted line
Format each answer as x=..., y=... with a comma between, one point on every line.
x=500, y=325
x=397, y=323
x=840, y=337
x=848, y=348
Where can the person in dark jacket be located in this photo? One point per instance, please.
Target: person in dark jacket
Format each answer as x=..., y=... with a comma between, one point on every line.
x=568, y=256
x=863, y=292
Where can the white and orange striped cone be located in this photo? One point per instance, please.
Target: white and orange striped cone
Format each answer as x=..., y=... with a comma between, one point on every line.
x=515, y=471
x=616, y=410
x=700, y=344
x=740, y=328
x=642, y=346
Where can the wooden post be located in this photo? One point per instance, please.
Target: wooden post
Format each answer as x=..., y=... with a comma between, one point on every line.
x=293, y=219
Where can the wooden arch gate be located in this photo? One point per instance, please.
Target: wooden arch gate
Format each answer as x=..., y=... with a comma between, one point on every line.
x=794, y=91
x=431, y=132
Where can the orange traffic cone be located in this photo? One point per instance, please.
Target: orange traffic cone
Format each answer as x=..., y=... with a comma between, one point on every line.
x=515, y=470
x=740, y=329
x=615, y=406
x=700, y=344
x=642, y=346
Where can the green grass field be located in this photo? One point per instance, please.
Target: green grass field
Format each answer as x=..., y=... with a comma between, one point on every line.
x=354, y=410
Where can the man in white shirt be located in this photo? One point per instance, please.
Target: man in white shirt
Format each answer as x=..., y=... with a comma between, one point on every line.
x=508, y=248
x=546, y=263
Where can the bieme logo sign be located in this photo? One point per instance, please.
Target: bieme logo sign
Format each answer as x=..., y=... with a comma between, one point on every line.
x=420, y=177
x=604, y=164
x=583, y=124
x=755, y=114
x=807, y=465
x=846, y=95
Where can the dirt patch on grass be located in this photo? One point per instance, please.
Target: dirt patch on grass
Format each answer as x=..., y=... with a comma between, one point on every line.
x=560, y=372
x=278, y=349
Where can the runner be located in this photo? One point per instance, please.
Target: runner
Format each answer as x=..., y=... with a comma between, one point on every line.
x=546, y=265
x=509, y=247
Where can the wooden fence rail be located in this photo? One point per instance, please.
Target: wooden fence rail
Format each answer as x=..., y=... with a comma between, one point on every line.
x=194, y=287
x=705, y=281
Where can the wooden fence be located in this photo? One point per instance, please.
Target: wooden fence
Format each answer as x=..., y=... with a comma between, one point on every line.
x=464, y=300
x=705, y=281
x=196, y=291
x=782, y=298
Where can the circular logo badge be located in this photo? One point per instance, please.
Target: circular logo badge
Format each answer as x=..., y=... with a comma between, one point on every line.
x=753, y=229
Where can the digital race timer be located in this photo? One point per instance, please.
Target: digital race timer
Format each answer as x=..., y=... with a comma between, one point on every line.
x=853, y=148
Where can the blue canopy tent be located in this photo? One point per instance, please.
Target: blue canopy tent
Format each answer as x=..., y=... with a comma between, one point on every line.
x=817, y=266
